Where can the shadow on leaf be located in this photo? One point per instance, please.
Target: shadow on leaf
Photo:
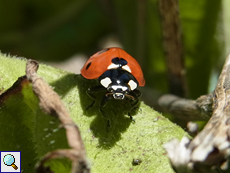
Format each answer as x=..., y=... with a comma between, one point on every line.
x=116, y=110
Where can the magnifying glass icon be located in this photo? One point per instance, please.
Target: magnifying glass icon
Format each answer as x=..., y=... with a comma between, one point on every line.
x=9, y=160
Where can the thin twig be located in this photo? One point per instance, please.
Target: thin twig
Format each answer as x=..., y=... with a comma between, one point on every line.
x=186, y=109
x=51, y=104
x=172, y=40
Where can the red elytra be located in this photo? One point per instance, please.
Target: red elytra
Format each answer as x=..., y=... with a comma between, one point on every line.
x=99, y=62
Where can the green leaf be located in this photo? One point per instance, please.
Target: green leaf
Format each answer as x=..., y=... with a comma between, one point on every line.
x=24, y=127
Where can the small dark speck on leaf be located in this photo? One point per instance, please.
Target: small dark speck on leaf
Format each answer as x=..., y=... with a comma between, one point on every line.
x=136, y=162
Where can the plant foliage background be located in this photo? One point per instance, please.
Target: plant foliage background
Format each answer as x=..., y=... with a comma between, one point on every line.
x=56, y=30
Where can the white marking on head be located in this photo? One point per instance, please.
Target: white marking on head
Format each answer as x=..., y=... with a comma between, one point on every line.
x=123, y=88
x=126, y=67
x=113, y=66
x=118, y=96
x=132, y=85
x=105, y=82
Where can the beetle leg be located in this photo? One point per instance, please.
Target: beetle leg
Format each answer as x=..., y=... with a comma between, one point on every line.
x=105, y=116
x=104, y=100
x=90, y=92
x=133, y=96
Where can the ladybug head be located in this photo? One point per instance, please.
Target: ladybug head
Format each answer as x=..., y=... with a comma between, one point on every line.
x=118, y=82
x=118, y=91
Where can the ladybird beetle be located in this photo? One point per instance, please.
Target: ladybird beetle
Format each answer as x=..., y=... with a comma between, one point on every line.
x=118, y=73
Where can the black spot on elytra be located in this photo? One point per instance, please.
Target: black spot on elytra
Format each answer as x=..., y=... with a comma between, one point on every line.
x=119, y=61
x=102, y=51
x=88, y=65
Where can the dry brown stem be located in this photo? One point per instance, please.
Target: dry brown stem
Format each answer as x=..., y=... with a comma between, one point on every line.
x=210, y=149
x=172, y=41
x=187, y=109
x=51, y=104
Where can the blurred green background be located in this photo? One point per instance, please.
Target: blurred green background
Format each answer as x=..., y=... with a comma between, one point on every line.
x=56, y=30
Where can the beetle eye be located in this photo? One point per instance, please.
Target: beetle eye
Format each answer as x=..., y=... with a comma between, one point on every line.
x=110, y=89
